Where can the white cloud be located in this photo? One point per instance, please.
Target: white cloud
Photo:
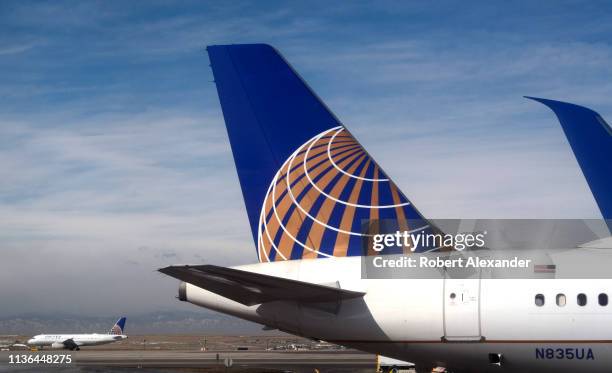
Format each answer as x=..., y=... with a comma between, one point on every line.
x=15, y=49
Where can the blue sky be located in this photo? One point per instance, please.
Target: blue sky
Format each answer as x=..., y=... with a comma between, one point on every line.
x=114, y=158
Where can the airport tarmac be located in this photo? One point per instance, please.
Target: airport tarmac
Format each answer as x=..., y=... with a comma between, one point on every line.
x=202, y=353
x=216, y=361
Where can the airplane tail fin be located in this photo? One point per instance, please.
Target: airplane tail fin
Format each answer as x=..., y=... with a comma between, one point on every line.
x=591, y=140
x=307, y=183
x=119, y=327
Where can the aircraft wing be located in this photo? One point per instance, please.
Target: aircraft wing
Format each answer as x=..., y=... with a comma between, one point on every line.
x=250, y=288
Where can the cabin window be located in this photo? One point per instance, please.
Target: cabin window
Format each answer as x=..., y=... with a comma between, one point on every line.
x=603, y=299
x=582, y=299
x=561, y=300
x=539, y=300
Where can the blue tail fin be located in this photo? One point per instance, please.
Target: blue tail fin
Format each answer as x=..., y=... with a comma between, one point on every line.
x=591, y=140
x=119, y=327
x=307, y=183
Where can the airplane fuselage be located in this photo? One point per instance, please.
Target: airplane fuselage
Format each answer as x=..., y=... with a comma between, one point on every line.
x=472, y=325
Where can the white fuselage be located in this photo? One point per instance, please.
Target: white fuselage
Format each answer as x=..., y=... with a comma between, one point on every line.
x=418, y=320
x=57, y=340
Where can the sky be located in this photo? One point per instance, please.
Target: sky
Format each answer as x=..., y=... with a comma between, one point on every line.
x=114, y=159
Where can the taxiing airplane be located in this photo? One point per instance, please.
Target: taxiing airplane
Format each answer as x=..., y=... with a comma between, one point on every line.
x=76, y=341
x=308, y=185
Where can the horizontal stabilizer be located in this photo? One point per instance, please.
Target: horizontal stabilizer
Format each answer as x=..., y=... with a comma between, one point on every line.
x=250, y=288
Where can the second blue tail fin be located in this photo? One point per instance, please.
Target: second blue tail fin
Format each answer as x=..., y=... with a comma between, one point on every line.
x=591, y=140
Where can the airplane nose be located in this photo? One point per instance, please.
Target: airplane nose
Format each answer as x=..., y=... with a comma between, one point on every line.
x=30, y=341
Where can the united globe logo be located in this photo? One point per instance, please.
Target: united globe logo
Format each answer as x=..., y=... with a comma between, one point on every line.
x=116, y=330
x=315, y=205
